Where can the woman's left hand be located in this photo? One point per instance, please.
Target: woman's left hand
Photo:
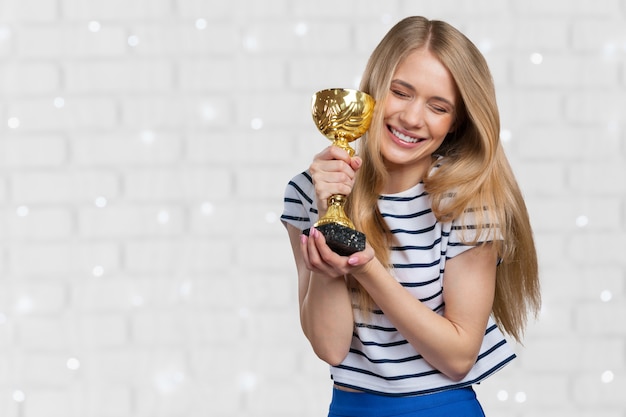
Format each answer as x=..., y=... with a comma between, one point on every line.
x=320, y=258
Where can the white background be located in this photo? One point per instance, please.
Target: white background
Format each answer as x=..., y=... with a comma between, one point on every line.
x=144, y=149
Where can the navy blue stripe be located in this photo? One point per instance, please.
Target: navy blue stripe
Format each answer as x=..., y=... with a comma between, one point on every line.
x=388, y=378
x=414, y=232
x=392, y=198
x=400, y=360
x=387, y=344
x=301, y=192
x=294, y=218
x=374, y=327
x=404, y=266
x=411, y=247
x=419, y=284
x=407, y=216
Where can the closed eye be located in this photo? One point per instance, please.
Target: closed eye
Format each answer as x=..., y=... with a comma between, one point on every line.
x=399, y=93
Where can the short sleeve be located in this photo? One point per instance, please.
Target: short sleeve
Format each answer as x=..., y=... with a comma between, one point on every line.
x=467, y=232
x=299, y=208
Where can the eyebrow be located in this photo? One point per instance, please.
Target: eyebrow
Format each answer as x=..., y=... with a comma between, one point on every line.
x=410, y=87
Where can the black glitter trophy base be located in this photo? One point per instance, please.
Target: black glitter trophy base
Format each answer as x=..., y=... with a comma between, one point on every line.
x=342, y=240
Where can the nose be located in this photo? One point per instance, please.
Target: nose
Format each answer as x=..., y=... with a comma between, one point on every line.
x=412, y=115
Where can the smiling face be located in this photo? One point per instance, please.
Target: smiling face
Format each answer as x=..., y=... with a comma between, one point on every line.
x=419, y=112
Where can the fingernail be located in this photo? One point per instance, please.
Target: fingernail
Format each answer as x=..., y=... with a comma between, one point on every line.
x=353, y=260
x=313, y=232
x=303, y=238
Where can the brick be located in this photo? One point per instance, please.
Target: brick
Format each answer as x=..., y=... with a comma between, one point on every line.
x=46, y=368
x=194, y=9
x=547, y=390
x=106, y=293
x=101, y=331
x=130, y=221
x=77, y=113
x=526, y=34
x=61, y=258
x=589, y=390
x=567, y=216
x=540, y=178
x=156, y=113
x=115, y=9
x=34, y=187
x=593, y=36
x=592, y=178
x=29, y=78
x=591, y=284
x=226, y=75
x=282, y=36
x=311, y=74
x=38, y=298
x=598, y=318
x=174, y=401
x=580, y=106
x=264, y=186
x=167, y=256
x=29, y=11
x=564, y=71
x=588, y=355
x=54, y=41
x=112, y=367
x=451, y=8
x=140, y=148
x=245, y=145
x=168, y=330
x=582, y=7
x=33, y=151
x=51, y=331
x=216, y=39
x=42, y=224
x=108, y=400
x=247, y=251
x=529, y=106
x=51, y=402
x=192, y=184
x=565, y=143
x=116, y=77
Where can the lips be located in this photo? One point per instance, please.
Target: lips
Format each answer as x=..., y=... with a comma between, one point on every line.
x=405, y=138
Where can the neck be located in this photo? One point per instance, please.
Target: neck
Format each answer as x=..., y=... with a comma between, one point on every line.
x=403, y=177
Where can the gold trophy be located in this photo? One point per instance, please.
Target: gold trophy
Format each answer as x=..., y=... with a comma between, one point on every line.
x=342, y=115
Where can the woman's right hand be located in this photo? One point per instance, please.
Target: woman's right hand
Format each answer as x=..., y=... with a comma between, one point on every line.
x=333, y=171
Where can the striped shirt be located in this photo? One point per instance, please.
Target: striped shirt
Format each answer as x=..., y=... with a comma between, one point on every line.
x=380, y=359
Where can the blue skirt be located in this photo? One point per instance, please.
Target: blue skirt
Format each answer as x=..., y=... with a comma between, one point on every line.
x=460, y=402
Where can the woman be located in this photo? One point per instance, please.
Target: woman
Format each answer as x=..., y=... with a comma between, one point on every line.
x=412, y=322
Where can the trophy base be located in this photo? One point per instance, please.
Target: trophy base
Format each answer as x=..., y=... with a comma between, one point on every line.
x=342, y=240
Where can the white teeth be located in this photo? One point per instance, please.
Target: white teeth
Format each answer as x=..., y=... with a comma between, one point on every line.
x=404, y=137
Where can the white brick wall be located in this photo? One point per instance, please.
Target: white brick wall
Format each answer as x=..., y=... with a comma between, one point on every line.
x=144, y=148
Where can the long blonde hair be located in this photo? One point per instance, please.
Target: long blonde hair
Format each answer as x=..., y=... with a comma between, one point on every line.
x=472, y=166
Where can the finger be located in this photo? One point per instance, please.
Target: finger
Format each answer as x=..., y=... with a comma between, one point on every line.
x=304, y=240
x=313, y=254
x=334, y=152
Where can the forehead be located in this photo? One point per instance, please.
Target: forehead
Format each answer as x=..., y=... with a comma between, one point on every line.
x=426, y=73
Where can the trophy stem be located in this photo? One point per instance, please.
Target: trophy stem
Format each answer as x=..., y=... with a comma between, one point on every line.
x=343, y=143
x=336, y=213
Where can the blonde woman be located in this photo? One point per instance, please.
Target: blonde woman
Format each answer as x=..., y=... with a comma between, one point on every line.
x=412, y=322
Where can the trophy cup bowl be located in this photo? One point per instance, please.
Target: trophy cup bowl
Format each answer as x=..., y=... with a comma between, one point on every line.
x=342, y=115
